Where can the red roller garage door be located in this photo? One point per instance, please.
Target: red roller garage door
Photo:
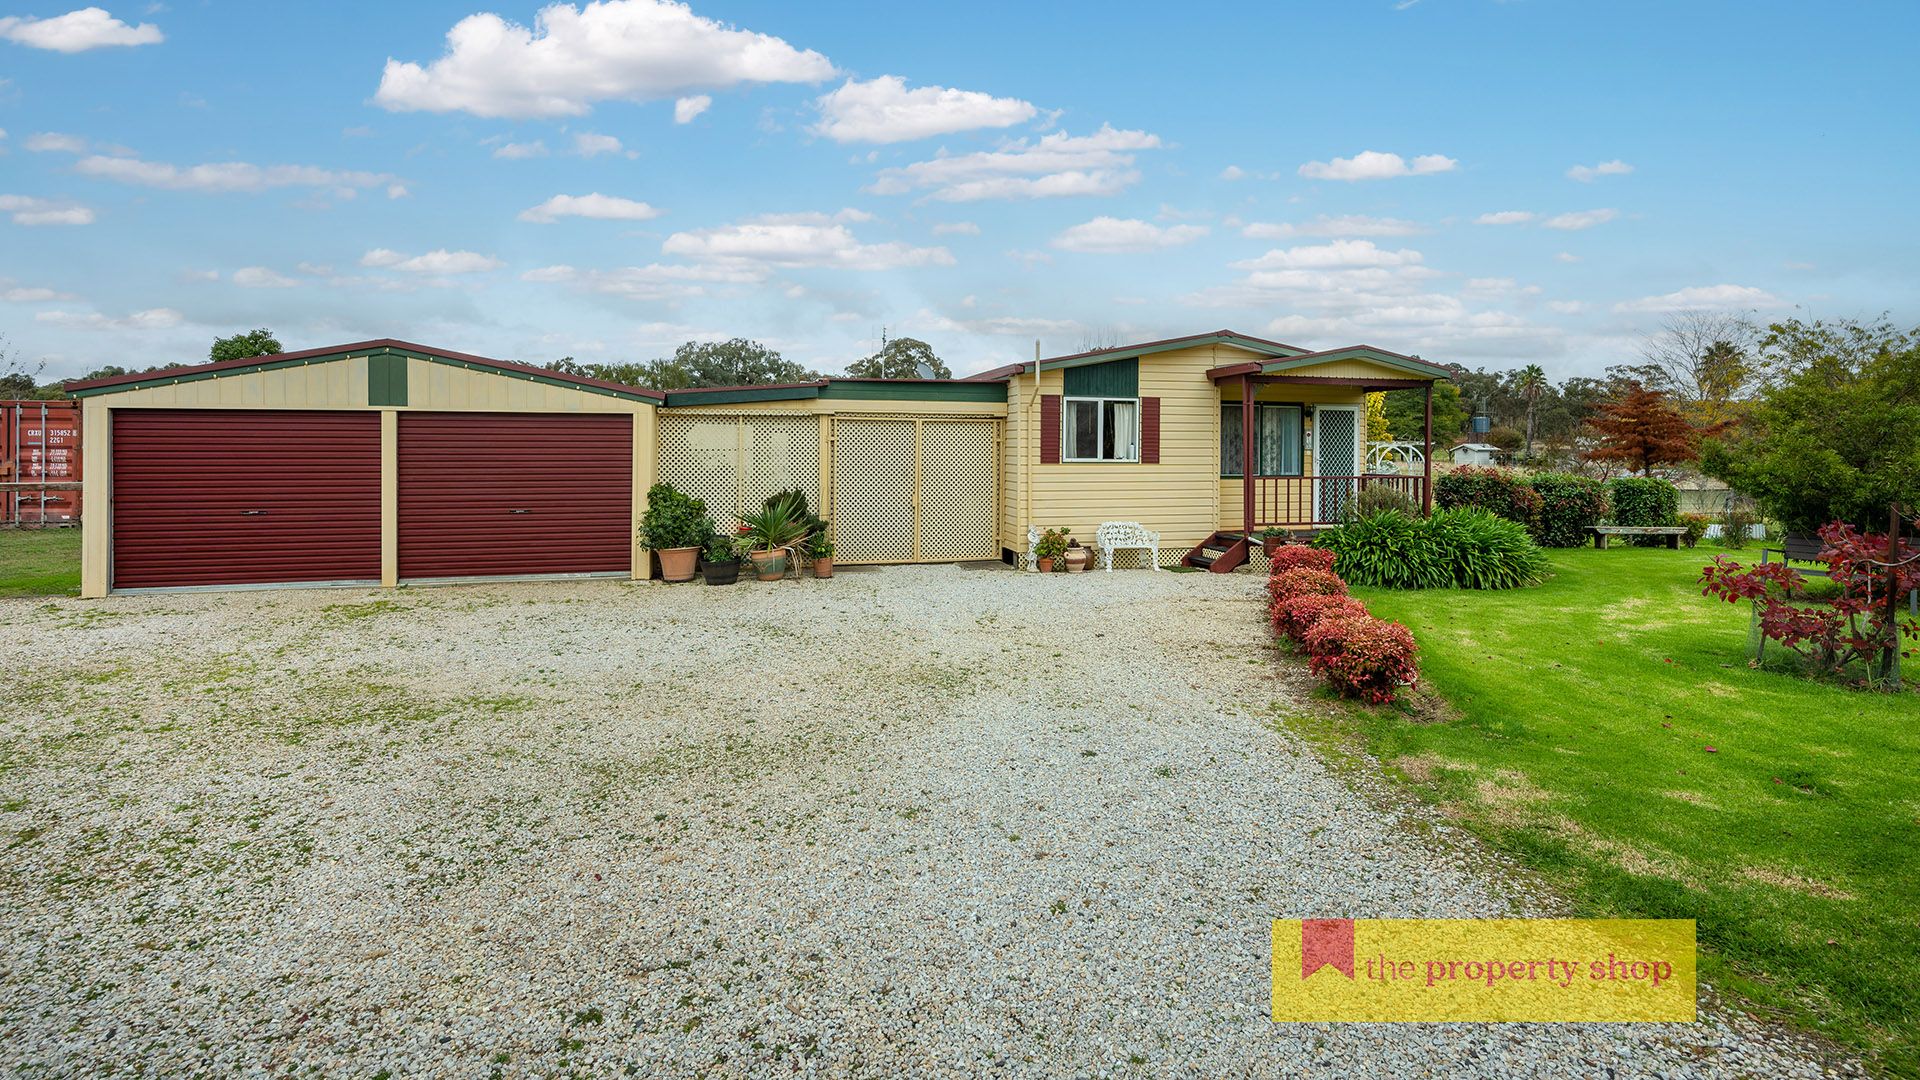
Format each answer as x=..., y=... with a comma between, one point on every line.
x=244, y=497
x=489, y=494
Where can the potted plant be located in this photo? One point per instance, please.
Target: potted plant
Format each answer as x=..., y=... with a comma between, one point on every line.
x=676, y=527
x=1051, y=545
x=720, y=562
x=1271, y=539
x=822, y=556
x=771, y=535
x=1078, y=558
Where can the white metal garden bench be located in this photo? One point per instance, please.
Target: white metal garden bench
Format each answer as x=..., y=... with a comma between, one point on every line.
x=1112, y=536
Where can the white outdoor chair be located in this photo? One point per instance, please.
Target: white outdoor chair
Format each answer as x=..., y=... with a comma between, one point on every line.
x=1114, y=535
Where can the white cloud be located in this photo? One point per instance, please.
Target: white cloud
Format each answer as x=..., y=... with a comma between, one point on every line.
x=1055, y=165
x=29, y=210
x=316, y=269
x=1567, y=307
x=632, y=50
x=1233, y=172
x=259, y=277
x=1714, y=297
x=1505, y=217
x=1566, y=257
x=22, y=294
x=686, y=108
x=518, y=151
x=796, y=240
x=883, y=110
x=439, y=261
x=596, y=206
x=1339, y=254
x=397, y=191
x=1580, y=219
x=1110, y=235
x=1374, y=165
x=1345, y=225
x=1587, y=174
x=54, y=141
x=956, y=228
x=150, y=319
x=655, y=282
x=78, y=31
x=225, y=176
x=588, y=144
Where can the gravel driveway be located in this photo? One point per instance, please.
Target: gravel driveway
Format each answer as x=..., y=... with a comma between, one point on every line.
x=921, y=821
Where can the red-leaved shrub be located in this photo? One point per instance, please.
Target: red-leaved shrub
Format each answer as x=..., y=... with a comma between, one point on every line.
x=1301, y=579
x=1288, y=556
x=1362, y=656
x=1294, y=615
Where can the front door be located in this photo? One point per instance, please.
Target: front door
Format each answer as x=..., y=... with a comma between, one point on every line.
x=1336, y=460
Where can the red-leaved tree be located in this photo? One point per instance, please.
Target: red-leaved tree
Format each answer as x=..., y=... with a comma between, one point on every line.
x=1861, y=625
x=1640, y=430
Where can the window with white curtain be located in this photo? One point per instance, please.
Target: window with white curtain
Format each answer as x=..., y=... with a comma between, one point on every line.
x=1101, y=429
x=1277, y=440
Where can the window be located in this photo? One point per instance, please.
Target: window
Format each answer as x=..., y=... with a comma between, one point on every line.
x=1277, y=440
x=1101, y=429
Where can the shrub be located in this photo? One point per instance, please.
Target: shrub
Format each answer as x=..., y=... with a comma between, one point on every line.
x=1288, y=556
x=1467, y=548
x=1389, y=550
x=674, y=520
x=1362, y=656
x=1569, y=505
x=1375, y=497
x=1293, y=615
x=1696, y=527
x=1304, y=580
x=1481, y=551
x=1502, y=491
x=1734, y=525
x=1644, y=500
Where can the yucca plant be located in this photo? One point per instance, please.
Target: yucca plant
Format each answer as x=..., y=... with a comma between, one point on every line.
x=1485, y=551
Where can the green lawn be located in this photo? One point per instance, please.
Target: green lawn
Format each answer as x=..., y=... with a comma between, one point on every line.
x=1575, y=733
x=39, y=562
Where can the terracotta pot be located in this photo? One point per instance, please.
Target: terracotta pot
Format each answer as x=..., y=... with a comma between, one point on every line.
x=769, y=565
x=1046, y=565
x=1271, y=544
x=721, y=573
x=1078, y=559
x=678, y=564
x=823, y=566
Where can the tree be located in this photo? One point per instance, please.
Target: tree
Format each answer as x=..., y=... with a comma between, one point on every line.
x=259, y=342
x=1377, y=429
x=1640, y=430
x=1835, y=436
x=900, y=358
x=653, y=375
x=1702, y=361
x=1529, y=382
x=1407, y=412
x=737, y=362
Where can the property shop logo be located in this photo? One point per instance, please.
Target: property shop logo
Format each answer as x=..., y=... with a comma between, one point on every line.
x=1483, y=969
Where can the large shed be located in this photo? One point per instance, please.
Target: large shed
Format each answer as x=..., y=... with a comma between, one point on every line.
x=374, y=463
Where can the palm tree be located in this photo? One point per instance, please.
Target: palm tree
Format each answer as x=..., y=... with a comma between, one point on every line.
x=1531, y=382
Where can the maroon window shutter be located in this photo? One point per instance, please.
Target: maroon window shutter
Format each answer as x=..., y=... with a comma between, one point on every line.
x=1150, y=431
x=1049, y=429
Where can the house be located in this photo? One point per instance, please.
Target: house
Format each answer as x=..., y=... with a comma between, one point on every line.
x=1476, y=453
x=385, y=462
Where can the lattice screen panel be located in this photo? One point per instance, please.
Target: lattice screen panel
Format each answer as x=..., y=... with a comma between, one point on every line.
x=957, y=491
x=873, y=467
x=734, y=462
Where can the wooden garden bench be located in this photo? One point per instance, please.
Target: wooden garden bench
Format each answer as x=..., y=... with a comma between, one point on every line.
x=1673, y=533
x=1795, y=549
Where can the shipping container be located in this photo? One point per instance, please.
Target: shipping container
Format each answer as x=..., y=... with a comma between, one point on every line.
x=39, y=463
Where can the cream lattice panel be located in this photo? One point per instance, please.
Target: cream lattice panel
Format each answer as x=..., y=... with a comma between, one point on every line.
x=873, y=490
x=957, y=480
x=734, y=462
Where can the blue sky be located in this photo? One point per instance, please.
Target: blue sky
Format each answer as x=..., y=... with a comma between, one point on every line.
x=1475, y=181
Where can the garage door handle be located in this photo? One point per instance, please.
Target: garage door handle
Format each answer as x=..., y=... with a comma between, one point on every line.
x=251, y=513
x=519, y=511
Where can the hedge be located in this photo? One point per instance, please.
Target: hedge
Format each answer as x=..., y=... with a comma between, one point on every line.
x=1499, y=491
x=1644, y=500
x=1569, y=506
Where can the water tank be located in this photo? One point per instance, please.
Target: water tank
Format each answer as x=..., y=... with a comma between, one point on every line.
x=1482, y=425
